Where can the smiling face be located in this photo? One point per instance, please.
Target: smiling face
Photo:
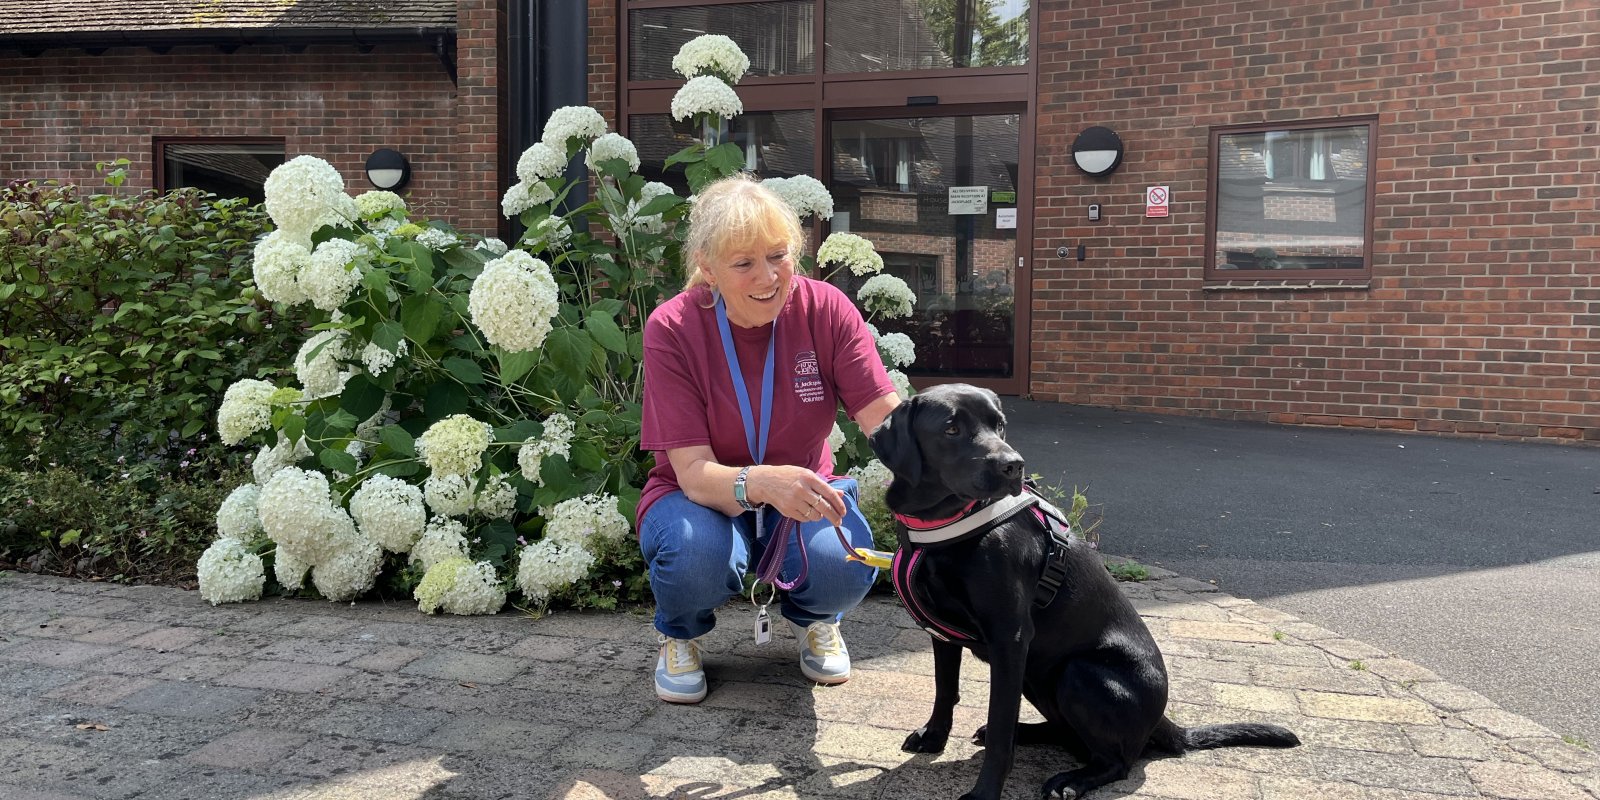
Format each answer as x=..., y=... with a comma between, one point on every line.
x=754, y=278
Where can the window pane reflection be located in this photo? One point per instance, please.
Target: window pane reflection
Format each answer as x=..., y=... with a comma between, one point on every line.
x=777, y=144
x=890, y=35
x=1293, y=199
x=224, y=169
x=779, y=38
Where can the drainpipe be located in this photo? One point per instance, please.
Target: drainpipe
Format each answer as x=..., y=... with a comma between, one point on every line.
x=547, y=55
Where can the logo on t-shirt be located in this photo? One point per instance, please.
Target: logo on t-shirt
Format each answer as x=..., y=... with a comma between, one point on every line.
x=807, y=377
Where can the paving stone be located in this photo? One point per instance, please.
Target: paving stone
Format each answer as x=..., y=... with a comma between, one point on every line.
x=1558, y=755
x=327, y=757
x=548, y=648
x=319, y=626
x=1450, y=697
x=1349, y=649
x=1321, y=679
x=1281, y=787
x=383, y=723
x=1436, y=775
x=1255, y=698
x=512, y=737
x=249, y=749
x=386, y=659
x=1400, y=670
x=1264, y=615
x=1223, y=631
x=188, y=700
x=616, y=750
x=1200, y=612
x=313, y=651
x=1504, y=724
x=469, y=667
x=54, y=652
x=1306, y=632
x=1176, y=779
x=286, y=676
x=169, y=638
x=101, y=689
x=1353, y=735
x=1443, y=742
x=24, y=679
x=1519, y=782
x=201, y=668
x=1370, y=709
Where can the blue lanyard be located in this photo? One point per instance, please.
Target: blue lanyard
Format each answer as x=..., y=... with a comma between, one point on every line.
x=758, y=447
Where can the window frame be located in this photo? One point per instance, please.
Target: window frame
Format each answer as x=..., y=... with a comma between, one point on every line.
x=159, y=145
x=1213, y=184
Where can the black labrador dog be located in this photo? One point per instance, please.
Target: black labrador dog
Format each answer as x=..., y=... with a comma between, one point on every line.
x=1083, y=657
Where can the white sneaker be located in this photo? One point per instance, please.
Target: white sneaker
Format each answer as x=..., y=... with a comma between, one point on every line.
x=680, y=677
x=823, y=655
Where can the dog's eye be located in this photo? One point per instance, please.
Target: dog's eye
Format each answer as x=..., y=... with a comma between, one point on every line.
x=952, y=430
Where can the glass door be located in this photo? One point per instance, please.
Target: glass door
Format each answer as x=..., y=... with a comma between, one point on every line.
x=937, y=193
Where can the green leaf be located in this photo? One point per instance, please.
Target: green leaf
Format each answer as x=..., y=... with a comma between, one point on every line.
x=398, y=469
x=587, y=456
x=605, y=331
x=727, y=158
x=443, y=399
x=420, y=316
x=341, y=423
x=388, y=335
x=517, y=432
x=687, y=155
x=570, y=350
x=499, y=532
x=396, y=438
x=516, y=365
x=192, y=427
x=659, y=204
x=294, y=427
x=464, y=370
x=338, y=460
x=420, y=276
x=360, y=399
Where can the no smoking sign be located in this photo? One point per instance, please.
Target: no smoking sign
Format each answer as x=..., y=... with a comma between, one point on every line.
x=1156, y=201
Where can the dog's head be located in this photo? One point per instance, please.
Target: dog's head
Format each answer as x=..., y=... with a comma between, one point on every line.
x=947, y=441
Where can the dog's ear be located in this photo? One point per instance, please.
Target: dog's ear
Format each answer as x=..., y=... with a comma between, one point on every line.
x=895, y=443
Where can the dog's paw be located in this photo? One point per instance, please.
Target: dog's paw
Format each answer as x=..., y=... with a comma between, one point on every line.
x=1057, y=787
x=923, y=740
x=979, y=735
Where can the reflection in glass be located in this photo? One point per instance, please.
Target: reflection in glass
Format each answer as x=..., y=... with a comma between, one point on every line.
x=224, y=169
x=891, y=184
x=777, y=144
x=1294, y=199
x=779, y=38
x=891, y=35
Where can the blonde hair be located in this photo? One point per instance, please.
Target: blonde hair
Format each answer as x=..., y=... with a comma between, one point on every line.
x=735, y=213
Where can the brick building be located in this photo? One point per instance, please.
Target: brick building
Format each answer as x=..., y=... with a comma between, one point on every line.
x=1380, y=213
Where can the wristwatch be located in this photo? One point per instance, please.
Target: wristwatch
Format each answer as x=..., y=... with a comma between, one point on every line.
x=738, y=490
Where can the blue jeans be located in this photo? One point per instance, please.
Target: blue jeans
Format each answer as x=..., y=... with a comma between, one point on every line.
x=698, y=557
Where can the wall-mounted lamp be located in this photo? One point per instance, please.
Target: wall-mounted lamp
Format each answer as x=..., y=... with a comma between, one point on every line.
x=1097, y=151
x=387, y=169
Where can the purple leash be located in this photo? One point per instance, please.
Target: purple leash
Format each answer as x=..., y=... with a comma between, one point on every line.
x=770, y=568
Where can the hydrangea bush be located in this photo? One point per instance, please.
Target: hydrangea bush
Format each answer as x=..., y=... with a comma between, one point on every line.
x=463, y=423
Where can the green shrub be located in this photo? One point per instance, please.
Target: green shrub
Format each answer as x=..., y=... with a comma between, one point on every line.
x=125, y=315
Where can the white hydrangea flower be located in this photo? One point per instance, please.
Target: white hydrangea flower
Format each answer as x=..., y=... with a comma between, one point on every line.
x=497, y=499
x=541, y=162
x=454, y=445
x=493, y=245
x=350, y=570
x=459, y=586
x=272, y=459
x=297, y=512
x=305, y=193
x=902, y=384
x=706, y=95
x=887, y=295
x=448, y=495
x=513, y=301
x=588, y=521
x=333, y=272
x=377, y=203
x=378, y=360
x=386, y=225
x=230, y=573
x=246, y=408
x=836, y=438
x=358, y=451
x=609, y=146
x=323, y=375
x=552, y=232
x=851, y=250
x=548, y=566
x=653, y=222
x=805, y=194
x=711, y=54
x=872, y=480
x=237, y=517
x=435, y=239
x=572, y=122
x=389, y=511
x=524, y=196
x=279, y=260
x=289, y=569
x=897, y=349
x=442, y=539
x=556, y=440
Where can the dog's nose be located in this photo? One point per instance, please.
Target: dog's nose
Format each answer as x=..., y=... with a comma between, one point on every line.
x=1011, y=466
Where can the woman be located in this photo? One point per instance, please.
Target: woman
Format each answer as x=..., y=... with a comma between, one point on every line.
x=723, y=466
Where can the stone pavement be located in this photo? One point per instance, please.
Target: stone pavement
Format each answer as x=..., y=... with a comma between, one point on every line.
x=109, y=691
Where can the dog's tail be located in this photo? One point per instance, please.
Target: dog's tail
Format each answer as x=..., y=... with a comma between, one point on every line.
x=1171, y=737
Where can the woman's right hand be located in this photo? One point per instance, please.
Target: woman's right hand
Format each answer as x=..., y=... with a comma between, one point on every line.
x=795, y=492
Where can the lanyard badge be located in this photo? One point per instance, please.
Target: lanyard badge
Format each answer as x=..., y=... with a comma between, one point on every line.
x=756, y=445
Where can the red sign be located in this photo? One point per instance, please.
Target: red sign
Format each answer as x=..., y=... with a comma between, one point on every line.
x=1155, y=201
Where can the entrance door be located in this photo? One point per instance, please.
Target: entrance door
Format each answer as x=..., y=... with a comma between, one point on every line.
x=937, y=192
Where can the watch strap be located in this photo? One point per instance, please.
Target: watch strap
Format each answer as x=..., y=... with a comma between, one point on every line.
x=739, y=490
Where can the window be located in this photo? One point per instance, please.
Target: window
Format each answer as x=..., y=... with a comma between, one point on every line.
x=776, y=144
x=224, y=167
x=1291, y=201
x=779, y=38
x=894, y=35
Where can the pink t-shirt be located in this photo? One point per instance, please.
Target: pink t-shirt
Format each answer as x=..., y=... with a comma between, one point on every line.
x=824, y=356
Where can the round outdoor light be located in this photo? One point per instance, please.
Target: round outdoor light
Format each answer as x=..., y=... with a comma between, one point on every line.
x=1097, y=151
x=387, y=169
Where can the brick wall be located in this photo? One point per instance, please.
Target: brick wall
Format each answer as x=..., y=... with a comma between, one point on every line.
x=1483, y=312
x=482, y=167
x=603, y=49
x=65, y=110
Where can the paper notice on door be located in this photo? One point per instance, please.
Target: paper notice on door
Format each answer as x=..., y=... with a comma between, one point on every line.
x=969, y=200
x=1005, y=218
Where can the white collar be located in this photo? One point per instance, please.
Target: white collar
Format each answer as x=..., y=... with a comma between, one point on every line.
x=962, y=525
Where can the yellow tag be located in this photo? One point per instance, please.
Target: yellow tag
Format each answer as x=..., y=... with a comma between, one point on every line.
x=872, y=558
